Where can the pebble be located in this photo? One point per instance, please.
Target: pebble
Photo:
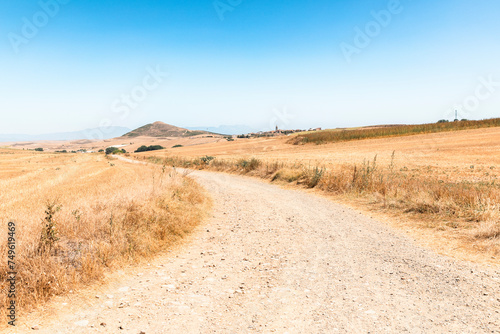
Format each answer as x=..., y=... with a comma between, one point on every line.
x=82, y=323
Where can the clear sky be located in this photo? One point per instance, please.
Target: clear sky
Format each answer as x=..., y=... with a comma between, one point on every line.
x=67, y=65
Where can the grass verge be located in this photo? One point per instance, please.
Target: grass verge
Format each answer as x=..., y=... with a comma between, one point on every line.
x=470, y=208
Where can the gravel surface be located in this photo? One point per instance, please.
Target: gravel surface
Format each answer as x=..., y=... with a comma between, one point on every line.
x=273, y=260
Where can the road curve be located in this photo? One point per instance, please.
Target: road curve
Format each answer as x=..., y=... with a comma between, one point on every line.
x=272, y=260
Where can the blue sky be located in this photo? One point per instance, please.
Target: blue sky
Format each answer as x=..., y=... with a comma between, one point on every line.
x=265, y=62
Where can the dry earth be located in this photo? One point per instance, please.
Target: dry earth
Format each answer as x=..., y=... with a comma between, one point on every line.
x=285, y=261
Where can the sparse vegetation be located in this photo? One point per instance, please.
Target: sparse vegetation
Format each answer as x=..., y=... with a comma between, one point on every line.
x=175, y=146
x=39, y=149
x=68, y=239
x=49, y=233
x=111, y=150
x=206, y=159
x=114, y=150
x=331, y=136
x=249, y=165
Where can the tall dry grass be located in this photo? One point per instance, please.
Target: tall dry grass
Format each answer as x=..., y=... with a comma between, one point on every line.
x=331, y=136
x=79, y=216
x=473, y=208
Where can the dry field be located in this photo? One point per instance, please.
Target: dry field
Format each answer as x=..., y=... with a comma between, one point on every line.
x=449, y=154
x=444, y=185
x=80, y=215
x=129, y=144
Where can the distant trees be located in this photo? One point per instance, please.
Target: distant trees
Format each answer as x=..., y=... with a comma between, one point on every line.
x=145, y=148
x=110, y=150
x=175, y=146
x=443, y=121
x=114, y=150
x=39, y=149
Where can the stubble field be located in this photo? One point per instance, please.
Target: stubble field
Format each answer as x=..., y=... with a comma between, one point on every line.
x=78, y=216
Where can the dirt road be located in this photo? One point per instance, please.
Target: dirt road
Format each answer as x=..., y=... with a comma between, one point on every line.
x=272, y=260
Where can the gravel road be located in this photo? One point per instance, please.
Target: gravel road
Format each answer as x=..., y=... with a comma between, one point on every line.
x=272, y=260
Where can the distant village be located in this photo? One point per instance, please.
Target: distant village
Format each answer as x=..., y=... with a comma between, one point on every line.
x=275, y=133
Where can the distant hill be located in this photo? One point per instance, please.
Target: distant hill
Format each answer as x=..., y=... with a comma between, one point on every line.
x=160, y=129
x=97, y=133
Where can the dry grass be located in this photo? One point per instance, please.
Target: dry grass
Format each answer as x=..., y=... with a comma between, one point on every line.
x=79, y=216
x=440, y=186
x=471, y=208
x=331, y=136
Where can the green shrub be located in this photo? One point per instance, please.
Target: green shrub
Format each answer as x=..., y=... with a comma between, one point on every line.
x=206, y=159
x=145, y=148
x=249, y=165
x=39, y=149
x=111, y=150
x=48, y=237
x=315, y=176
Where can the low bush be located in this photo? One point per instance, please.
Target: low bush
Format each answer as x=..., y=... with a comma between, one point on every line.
x=145, y=148
x=249, y=165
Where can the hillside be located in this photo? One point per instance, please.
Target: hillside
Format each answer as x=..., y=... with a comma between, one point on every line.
x=160, y=129
x=342, y=135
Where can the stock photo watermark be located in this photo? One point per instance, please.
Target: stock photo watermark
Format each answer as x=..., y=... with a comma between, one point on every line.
x=223, y=6
x=485, y=89
x=32, y=26
x=11, y=273
x=127, y=102
x=281, y=118
x=372, y=29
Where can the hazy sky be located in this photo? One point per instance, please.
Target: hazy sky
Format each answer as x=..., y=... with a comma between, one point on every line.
x=67, y=65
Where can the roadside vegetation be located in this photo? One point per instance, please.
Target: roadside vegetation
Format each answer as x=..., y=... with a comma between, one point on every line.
x=79, y=216
x=470, y=208
x=332, y=136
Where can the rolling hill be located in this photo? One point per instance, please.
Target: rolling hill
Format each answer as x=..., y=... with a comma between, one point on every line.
x=160, y=129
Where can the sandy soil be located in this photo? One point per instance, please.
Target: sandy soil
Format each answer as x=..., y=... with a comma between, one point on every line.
x=285, y=261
